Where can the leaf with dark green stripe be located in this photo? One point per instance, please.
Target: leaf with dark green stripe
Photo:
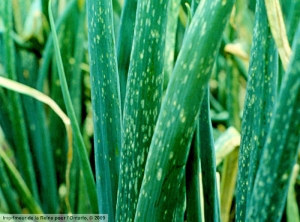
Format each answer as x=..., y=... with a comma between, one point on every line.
x=259, y=104
x=280, y=151
x=176, y=123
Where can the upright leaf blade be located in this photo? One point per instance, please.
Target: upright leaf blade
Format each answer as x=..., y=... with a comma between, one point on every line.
x=176, y=123
x=281, y=148
x=193, y=181
x=142, y=101
x=79, y=144
x=77, y=187
x=208, y=163
x=259, y=104
x=106, y=102
x=125, y=43
x=44, y=68
x=173, y=12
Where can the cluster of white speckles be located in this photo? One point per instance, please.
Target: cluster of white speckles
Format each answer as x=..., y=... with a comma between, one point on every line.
x=182, y=116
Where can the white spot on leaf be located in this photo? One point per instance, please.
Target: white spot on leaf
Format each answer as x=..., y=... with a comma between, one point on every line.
x=159, y=173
